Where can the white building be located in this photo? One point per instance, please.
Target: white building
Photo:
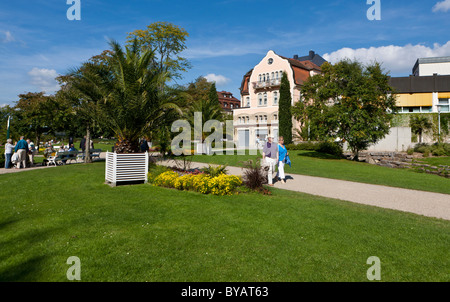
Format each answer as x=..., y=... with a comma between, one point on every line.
x=431, y=66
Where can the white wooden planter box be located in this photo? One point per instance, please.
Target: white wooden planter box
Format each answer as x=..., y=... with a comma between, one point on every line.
x=126, y=168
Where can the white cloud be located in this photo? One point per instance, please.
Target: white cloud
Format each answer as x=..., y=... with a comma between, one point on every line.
x=442, y=6
x=396, y=59
x=44, y=79
x=219, y=79
x=8, y=37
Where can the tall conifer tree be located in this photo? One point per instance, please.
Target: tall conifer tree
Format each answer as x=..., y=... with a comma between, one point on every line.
x=284, y=110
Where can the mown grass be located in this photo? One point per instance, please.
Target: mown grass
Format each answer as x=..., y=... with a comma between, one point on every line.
x=147, y=233
x=324, y=165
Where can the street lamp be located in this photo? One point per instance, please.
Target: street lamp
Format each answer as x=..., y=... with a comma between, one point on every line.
x=439, y=122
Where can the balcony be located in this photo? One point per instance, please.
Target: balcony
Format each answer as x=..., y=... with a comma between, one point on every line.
x=266, y=84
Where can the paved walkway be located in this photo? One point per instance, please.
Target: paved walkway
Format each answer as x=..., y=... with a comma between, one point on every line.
x=419, y=202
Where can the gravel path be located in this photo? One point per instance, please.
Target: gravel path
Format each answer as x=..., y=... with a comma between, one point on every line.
x=419, y=202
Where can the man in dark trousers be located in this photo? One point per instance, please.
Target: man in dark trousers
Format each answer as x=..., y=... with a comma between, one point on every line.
x=83, y=143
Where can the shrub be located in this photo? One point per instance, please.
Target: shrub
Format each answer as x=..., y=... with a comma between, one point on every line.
x=330, y=148
x=410, y=151
x=224, y=184
x=253, y=176
x=166, y=179
x=421, y=148
x=311, y=146
x=214, y=171
x=200, y=183
x=155, y=171
x=439, y=151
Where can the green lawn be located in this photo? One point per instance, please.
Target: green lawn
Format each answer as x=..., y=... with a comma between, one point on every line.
x=323, y=165
x=435, y=161
x=146, y=233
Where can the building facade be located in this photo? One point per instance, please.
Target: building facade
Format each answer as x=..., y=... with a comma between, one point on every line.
x=427, y=90
x=257, y=116
x=430, y=66
x=228, y=102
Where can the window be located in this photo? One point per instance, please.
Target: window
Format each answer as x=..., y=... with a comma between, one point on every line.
x=248, y=120
x=276, y=75
x=265, y=118
x=259, y=78
x=260, y=99
x=275, y=117
x=256, y=118
x=275, y=98
x=231, y=106
x=265, y=98
x=272, y=76
x=225, y=105
x=247, y=99
x=240, y=120
x=444, y=105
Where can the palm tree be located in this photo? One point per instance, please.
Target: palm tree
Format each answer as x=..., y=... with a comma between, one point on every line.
x=419, y=124
x=134, y=100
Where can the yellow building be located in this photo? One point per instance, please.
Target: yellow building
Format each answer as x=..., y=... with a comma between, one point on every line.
x=426, y=94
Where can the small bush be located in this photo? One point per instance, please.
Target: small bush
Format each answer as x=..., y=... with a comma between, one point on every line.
x=155, y=171
x=439, y=151
x=253, y=176
x=224, y=184
x=214, y=171
x=410, y=151
x=330, y=148
x=310, y=146
x=166, y=179
x=421, y=148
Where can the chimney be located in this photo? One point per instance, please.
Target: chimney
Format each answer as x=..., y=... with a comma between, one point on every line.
x=296, y=57
x=311, y=54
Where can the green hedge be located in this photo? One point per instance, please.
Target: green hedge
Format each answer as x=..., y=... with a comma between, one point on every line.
x=322, y=147
x=437, y=149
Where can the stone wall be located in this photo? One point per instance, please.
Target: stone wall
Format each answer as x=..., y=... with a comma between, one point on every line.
x=401, y=160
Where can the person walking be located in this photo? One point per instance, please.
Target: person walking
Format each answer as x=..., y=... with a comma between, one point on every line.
x=21, y=149
x=270, y=156
x=9, y=150
x=83, y=143
x=31, y=151
x=282, y=155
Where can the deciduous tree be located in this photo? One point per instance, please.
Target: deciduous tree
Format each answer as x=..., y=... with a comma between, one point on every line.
x=350, y=102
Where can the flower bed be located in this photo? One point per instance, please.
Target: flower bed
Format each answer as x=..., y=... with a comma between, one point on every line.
x=201, y=182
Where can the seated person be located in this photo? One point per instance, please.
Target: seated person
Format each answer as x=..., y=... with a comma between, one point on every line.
x=48, y=152
x=72, y=148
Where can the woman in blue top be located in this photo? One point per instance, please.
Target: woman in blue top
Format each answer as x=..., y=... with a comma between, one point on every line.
x=282, y=153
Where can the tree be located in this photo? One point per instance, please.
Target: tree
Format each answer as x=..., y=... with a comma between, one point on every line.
x=133, y=100
x=36, y=113
x=213, y=96
x=80, y=93
x=284, y=110
x=166, y=41
x=202, y=97
x=419, y=124
x=350, y=102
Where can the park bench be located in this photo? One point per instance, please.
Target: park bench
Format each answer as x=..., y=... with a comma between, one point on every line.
x=59, y=158
x=95, y=153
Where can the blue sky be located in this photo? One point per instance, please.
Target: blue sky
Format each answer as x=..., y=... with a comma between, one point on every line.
x=226, y=37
